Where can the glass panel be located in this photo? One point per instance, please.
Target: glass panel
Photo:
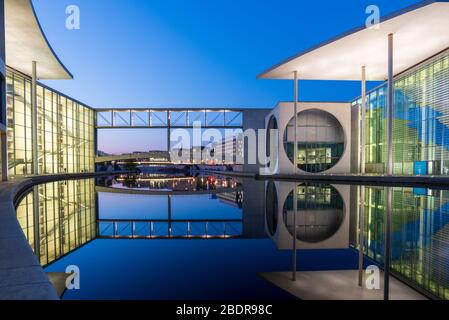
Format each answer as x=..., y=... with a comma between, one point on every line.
x=197, y=116
x=104, y=119
x=159, y=118
x=178, y=118
x=215, y=118
x=140, y=118
x=234, y=119
x=122, y=119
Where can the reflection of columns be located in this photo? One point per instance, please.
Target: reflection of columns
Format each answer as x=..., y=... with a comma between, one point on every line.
x=295, y=211
x=169, y=216
x=390, y=106
x=295, y=149
x=361, y=234
x=97, y=214
x=387, y=254
x=36, y=223
x=4, y=154
x=34, y=116
x=362, y=171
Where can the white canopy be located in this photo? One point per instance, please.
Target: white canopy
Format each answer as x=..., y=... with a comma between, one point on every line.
x=420, y=31
x=26, y=42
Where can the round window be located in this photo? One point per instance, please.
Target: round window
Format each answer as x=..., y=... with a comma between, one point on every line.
x=321, y=140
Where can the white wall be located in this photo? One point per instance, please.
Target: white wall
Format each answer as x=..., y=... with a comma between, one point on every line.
x=284, y=112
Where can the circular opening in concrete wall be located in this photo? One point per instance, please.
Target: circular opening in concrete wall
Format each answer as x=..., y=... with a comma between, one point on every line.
x=321, y=140
x=271, y=208
x=272, y=125
x=320, y=212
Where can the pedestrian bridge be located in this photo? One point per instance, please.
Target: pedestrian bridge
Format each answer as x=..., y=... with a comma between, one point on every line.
x=170, y=229
x=150, y=157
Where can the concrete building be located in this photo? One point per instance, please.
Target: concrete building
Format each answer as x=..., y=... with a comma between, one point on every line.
x=399, y=128
x=323, y=137
x=46, y=131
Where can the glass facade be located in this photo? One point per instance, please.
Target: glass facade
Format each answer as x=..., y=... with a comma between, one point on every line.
x=321, y=141
x=419, y=234
x=65, y=133
x=420, y=125
x=66, y=217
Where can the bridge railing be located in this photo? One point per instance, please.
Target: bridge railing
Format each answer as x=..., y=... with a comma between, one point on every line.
x=169, y=229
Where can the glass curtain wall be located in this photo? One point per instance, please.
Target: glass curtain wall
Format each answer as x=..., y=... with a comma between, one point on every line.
x=419, y=234
x=420, y=124
x=66, y=217
x=65, y=136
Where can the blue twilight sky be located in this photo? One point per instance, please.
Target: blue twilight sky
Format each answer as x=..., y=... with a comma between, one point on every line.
x=191, y=53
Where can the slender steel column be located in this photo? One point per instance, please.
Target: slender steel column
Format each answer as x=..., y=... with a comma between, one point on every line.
x=362, y=171
x=34, y=117
x=363, y=124
x=295, y=212
x=390, y=106
x=295, y=170
x=387, y=254
x=295, y=150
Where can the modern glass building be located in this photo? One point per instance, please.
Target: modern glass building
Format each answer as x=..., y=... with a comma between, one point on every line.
x=401, y=127
x=420, y=125
x=43, y=131
x=65, y=130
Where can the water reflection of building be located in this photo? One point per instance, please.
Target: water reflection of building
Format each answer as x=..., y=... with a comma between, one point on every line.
x=170, y=182
x=234, y=199
x=322, y=220
x=63, y=220
x=420, y=233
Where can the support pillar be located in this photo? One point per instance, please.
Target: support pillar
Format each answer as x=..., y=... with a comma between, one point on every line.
x=362, y=171
x=294, y=247
x=363, y=124
x=390, y=106
x=295, y=150
x=387, y=254
x=34, y=117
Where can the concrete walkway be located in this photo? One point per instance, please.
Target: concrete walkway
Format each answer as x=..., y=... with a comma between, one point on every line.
x=337, y=285
x=21, y=275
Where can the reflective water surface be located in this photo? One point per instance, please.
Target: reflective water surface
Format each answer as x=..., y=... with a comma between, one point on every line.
x=207, y=237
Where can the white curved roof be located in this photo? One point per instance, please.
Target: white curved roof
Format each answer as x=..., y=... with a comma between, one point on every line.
x=26, y=42
x=420, y=31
